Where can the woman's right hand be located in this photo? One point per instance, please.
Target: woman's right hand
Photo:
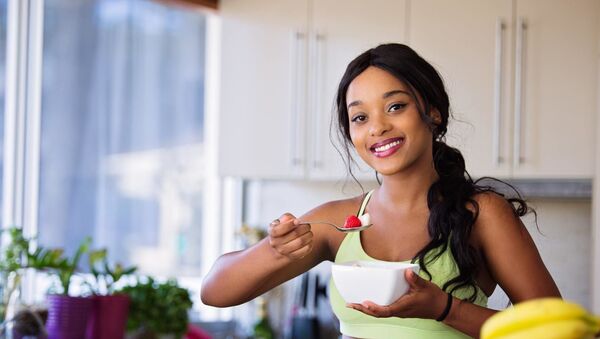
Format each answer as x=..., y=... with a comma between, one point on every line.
x=289, y=238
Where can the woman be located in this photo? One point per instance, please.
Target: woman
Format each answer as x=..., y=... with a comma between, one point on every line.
x=393, y=109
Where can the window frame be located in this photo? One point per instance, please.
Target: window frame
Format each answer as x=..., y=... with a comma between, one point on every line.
x=22, y=120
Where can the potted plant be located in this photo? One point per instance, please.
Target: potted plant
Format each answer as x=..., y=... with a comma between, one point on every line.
x=12, y=259
x=159, y=308
x=110, y=310
x=67, y=315
x=16, y=256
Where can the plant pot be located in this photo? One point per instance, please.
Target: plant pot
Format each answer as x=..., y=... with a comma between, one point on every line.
x=108, y=317
x=67, y=316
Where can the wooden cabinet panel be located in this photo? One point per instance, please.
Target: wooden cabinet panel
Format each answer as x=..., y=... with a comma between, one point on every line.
x=471, y=50
x=522, y=80
x=559, y=85
x=338, y=37
x=263, y=83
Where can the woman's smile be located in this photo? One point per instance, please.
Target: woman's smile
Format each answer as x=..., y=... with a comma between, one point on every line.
x=387, y=147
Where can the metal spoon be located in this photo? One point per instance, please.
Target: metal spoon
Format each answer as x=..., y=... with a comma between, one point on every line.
x=339, y=228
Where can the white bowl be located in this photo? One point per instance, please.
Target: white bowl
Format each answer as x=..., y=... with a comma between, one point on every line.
x=381, y=282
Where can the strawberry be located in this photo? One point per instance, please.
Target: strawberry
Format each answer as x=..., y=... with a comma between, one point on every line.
x=352, y=221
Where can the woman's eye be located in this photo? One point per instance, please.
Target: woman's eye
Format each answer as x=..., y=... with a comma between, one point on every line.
x=359, y=118
x=396, y=107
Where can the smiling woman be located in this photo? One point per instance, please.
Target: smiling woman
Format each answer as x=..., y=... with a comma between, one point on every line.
x=393, y=109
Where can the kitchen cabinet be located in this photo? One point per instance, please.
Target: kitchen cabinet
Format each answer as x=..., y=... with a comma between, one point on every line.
x=343, y=30
x=263, y=63
x=281, y=61
x=522, y=80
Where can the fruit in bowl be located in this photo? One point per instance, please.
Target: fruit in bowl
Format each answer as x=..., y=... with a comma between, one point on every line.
x=381, y=282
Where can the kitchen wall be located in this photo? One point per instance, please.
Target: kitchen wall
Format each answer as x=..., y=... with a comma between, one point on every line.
x=564, y=242
x=563, y=238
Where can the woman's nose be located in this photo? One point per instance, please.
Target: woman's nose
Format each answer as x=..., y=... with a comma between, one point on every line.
x=379, y=127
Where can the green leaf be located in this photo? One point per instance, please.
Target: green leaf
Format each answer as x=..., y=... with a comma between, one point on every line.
x=160, y=307
x=96, y=256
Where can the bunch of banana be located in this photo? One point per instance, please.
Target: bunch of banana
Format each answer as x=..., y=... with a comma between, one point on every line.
x=545, y=318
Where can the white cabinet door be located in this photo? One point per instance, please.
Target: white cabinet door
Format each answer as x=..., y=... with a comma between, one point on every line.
x=469, y=43
x=263, y=83
x=341, y=30
x=554, y=126
x=522, y=86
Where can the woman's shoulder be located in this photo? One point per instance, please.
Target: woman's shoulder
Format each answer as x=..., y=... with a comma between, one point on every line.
x=495, y=215
x=336, y=210
x=492, y=204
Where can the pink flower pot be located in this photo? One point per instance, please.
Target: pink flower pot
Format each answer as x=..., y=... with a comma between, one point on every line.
x=108, y=317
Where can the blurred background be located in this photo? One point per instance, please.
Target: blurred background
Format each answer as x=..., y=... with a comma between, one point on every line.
x=161, y=128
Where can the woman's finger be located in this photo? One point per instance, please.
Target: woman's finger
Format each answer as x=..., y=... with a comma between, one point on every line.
x=302, y=252
x=294, y=233
x=278, y=242
x=296, y=243
x=414, y=280
x=282, y=226
x=372, y=309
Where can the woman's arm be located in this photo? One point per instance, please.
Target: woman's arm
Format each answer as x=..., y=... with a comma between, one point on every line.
x=510, y=253
x=512, y=259
x=288, y=250
x=467, y=317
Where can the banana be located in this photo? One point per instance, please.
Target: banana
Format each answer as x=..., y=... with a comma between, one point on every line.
x=564, y=329
x=596, y=321
x=541, y=318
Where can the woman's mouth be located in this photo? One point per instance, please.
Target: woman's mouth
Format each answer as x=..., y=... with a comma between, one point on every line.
x=387, y=147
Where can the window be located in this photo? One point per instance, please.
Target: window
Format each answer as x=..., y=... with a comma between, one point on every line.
x=122, y=131
x=106, y=132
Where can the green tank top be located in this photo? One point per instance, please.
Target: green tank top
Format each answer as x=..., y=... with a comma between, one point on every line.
x=357, y=324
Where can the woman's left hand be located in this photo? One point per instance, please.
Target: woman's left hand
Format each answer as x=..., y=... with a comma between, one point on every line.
x=424, y=299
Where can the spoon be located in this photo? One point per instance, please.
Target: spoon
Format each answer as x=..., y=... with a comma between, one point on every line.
x=339, y=228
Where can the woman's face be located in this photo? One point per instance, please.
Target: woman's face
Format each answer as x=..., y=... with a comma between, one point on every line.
x=385, y=125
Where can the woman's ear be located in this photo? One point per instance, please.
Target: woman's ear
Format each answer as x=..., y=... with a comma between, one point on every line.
x=435, y=116
x=436, y=120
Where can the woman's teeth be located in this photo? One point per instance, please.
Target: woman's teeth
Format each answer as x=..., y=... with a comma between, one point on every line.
x=387, y=147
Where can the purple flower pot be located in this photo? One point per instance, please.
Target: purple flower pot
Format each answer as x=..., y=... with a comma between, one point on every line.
x=67, y=316
x=108, y=317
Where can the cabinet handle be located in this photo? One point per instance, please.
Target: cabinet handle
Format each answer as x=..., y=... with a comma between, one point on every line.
x=319, y=39
x=297, y=57
x=497, y=158
x=518, y=158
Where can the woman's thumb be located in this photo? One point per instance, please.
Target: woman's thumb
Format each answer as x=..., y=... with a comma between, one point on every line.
x=412, y=278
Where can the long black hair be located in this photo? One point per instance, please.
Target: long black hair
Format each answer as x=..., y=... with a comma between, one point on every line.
x=450, y=219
